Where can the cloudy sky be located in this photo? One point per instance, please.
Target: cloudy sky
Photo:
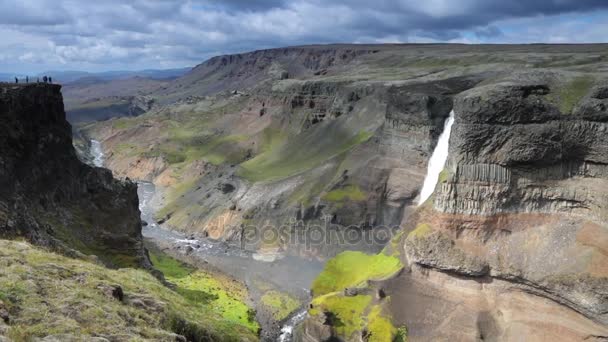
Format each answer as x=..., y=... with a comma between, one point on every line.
x=99, y=35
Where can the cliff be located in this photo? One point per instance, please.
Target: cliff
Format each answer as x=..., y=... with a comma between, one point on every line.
x=48, y=196
x=513, y=241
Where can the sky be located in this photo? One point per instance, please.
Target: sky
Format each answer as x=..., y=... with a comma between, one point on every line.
x=102, y=35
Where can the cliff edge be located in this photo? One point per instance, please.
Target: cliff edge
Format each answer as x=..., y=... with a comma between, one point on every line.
x=51, y=198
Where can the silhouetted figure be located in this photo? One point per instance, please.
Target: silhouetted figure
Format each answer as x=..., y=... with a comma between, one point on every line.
x=16, y=80
x=45, y=79
x=50, y=79
x=27, y=79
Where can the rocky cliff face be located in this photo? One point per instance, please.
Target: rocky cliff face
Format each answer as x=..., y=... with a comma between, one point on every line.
x=48, y=196
x=511, y=244
x=518, y=219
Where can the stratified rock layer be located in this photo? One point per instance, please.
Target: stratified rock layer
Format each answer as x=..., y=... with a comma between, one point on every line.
x=48, y=196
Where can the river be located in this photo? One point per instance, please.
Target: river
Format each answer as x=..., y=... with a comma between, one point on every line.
x=292, y=275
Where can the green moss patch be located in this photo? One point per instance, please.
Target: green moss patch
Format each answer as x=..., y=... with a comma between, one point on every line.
x=291, y=158
x=212, y=292
x=354, y=269
x=344, y=314
x=569, y=94
x=379, y=327
x=49, y=294
x=421, y=231
x=346, y=193
x=281, y=305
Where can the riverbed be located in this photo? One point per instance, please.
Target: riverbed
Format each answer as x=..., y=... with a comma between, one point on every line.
x=289, y=274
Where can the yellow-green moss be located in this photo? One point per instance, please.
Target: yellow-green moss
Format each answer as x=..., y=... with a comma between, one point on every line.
x=570, y=93
x=345, y=314
x=291, y=158
x=379, y=327
x=213, y=292
x=281, y=305
x=443, y=176
x=421, y=231
x=354, y=269
x=348, y=192
x=49, y=294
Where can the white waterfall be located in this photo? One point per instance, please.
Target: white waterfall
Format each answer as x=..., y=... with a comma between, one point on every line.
x=437, y=162
x=97, y=153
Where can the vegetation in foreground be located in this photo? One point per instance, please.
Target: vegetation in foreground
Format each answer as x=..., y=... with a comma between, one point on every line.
x=212, y=292
x=49, y=294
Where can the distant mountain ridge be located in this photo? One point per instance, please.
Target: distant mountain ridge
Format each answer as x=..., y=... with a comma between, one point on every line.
x=68, y=76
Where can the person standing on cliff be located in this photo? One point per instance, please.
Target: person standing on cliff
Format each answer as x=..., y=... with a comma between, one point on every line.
x=50, y=79
x=45, y=79
x=16, y=80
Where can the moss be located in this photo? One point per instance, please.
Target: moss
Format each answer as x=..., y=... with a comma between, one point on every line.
x=379, y=327
x=279, y=304
x=422, y=230
x=290, y=159
x=570, y=93
x=212, y=292
x=401, y=335
x=51, y=294
x=354, y=269
x=344, y=314
x=443, y=176
x=124, y=123
x=349, y=192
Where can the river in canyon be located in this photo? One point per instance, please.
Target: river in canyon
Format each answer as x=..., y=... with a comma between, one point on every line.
x=289, y=274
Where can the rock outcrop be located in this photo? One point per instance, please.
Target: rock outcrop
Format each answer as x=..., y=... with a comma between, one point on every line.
x=51, y=198
x=522, y=207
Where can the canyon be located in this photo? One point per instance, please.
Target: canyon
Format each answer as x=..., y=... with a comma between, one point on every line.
x=391, y=192
x=510, y=242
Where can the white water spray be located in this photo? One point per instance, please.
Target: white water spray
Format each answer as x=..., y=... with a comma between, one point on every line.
x=287, y=330
x=437, y=162
x=97, y=153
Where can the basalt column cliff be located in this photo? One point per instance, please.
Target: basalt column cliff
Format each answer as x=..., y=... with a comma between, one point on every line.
x=48, y=196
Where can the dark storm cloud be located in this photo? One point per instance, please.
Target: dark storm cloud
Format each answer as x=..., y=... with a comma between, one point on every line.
x=167, y=33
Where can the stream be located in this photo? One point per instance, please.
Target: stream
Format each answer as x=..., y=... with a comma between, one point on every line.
x=289, y=274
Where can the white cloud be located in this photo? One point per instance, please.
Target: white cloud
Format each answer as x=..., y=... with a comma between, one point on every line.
x=104, y=34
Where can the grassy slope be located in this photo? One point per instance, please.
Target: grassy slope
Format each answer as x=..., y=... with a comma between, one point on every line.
x=48, y=294
x=351, y=314
x=354, y=269
x=211, y=291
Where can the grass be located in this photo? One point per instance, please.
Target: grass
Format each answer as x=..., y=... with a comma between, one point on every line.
x=568, y=95
x=346, y=193
x=212, y=292
x=344, y=314
x=49, y=294
x=380, y=327
x=290, y=159
x=354, y=269
x=281, y=305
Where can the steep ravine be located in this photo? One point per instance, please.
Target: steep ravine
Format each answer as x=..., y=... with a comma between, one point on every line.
x=511, y=241
x=260, y=277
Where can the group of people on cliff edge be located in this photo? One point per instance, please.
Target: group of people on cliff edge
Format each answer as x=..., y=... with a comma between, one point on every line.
x=45, y=79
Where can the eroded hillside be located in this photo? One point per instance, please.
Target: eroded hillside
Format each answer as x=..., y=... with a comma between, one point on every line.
x=331, y=136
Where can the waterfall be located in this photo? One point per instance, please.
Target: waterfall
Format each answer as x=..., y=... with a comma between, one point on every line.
x=287, y=330
x=437, y=161
x=97, y=153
